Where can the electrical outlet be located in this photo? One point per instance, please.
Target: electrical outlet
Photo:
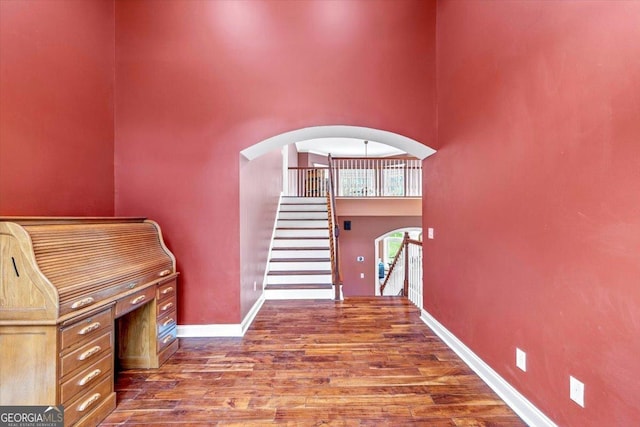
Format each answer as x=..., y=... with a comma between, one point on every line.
x=430, y=233
x=576, y=391
x=362, y=275
x=521, y=359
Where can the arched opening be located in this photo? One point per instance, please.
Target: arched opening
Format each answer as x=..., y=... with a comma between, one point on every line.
x=264, y=166
x=408, y=145
x=386, y=248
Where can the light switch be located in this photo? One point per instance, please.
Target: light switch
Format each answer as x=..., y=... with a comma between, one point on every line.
x=521, y=359
x=576, y=390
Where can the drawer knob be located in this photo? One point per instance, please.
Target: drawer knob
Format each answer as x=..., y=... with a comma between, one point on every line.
x=90, y=377
x=87, y=354
x=90, y=328
x=168, y=322
x=164, y=273
x=138, y=299
x=167, y=290
x=167, y=339
x=166, y=306
x=82, y=302
x=90, y=401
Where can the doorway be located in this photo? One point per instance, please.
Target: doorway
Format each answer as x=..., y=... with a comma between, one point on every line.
x=386, y=249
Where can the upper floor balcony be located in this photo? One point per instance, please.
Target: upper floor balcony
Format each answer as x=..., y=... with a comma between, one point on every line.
x=397, y=177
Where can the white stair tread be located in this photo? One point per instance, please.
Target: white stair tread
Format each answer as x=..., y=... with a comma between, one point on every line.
x=303, y=208
x=299, y=265
x=303, y=200
x=304, y=215
x=313, y=232
x=286, y=253
x=306, y=279
x=303, y=223
x=284, y=294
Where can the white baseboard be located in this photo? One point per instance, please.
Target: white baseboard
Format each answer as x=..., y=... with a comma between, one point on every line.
x=512, y=397
x=273, y=235
x=248, y=319
x=210, y=331
x=222, y=330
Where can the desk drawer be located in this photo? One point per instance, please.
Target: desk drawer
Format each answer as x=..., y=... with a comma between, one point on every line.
x=166, y=306
x=86, y=354
x=167, y=290
x=86, y=329
x=133, y=301
x=166, y=339
x=86, y=402
x=90, y=376
x=166, y=322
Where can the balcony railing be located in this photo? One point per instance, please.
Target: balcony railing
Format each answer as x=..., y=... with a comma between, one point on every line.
x=308, y=182
x=360, y=177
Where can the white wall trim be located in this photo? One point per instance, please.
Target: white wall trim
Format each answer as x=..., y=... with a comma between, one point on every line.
x=512, y=397
x=401, y=142
x=273, y=235
x=222, y=330
x=251, y=315
x=210, y=331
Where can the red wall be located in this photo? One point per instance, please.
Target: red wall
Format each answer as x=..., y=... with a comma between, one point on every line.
x=533, y=195
x=360, y=241
x=56, y=107
x=196, y=82
x=260, y=189
x=307, y=160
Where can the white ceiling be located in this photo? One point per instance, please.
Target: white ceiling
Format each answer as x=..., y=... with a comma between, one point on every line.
x=346, y=147
x=358, y=133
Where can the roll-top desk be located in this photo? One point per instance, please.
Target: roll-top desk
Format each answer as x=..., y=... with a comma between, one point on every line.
x=78, y=296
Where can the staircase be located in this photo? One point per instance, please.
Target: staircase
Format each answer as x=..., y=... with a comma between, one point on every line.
x=300, y=263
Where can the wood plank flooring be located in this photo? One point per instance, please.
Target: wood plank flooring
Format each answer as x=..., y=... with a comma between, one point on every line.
x=362, y=361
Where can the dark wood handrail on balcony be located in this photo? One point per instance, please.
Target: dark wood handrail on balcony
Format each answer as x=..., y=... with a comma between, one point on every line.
x=404, y=249
x=334, y=234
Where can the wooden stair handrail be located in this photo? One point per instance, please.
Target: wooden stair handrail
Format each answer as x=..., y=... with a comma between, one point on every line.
x=395, y=261
x=404, y=248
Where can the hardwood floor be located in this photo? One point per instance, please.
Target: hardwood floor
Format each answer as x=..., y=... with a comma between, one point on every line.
x=363, y=361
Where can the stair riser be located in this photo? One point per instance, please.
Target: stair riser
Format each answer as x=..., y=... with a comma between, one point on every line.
x=299, y=266
x=275, y=294
x=293, y=279
x=303, y=233
x=303, y=215
x=303, y=223
x=285, y=243
x=300, y=254
x=303, y=200
x=303, y=208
